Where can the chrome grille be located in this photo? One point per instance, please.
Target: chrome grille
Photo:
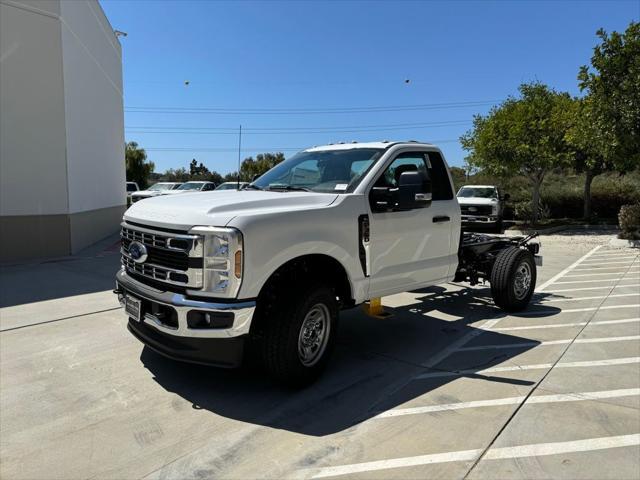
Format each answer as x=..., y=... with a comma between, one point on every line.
x=175, y=259
x=476, y=209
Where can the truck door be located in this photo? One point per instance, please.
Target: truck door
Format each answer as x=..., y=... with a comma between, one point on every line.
x=414, y=248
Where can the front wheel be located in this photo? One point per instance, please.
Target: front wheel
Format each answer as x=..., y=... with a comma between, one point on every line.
x=299, y=334
x=513, y=279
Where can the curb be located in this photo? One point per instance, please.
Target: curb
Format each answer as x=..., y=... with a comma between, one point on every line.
x=622, y=243
x=560, y=228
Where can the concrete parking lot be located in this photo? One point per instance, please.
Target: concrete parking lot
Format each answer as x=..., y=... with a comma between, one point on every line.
x=448, y=387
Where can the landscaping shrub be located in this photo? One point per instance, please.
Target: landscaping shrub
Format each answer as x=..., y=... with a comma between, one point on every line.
x=629, y=220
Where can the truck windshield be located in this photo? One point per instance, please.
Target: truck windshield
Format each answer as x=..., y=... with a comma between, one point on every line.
x=161, y=186
x=190, y=186
x=482, y=192
x=330, y=171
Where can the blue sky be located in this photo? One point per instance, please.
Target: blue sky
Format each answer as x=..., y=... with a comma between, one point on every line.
x=287, y=55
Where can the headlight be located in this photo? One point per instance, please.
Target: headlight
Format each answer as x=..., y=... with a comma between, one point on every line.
x=223, y=260
x=494, y=210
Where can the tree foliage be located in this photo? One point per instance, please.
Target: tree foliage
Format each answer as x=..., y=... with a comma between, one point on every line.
x=250, y=167
x=522, y=136
x=612, y=84
x=198, y=171
x=137, y=168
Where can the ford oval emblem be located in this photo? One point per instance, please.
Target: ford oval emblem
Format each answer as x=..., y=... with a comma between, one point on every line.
x=138, y=252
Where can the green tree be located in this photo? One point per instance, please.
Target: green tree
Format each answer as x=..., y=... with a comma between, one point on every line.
x=215, y=177
x=137, y=168
x=459, y=176
x=612, y=83
x=588, y=147
x=605, y=126
x=177, y=175
x=198, y=172
x=251, y=167
x=524, y=136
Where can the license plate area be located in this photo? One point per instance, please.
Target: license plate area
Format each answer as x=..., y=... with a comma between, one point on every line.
x=133, y=307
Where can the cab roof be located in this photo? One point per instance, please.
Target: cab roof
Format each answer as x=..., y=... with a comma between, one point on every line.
x=351, y=145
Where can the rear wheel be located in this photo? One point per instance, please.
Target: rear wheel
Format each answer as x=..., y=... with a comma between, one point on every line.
x=298, y=335
x=513, y=279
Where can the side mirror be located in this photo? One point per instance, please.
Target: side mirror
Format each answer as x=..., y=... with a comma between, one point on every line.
x=414, y=191
x=382, y=199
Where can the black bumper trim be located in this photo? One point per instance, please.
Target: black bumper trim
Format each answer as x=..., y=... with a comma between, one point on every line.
x=218, y=352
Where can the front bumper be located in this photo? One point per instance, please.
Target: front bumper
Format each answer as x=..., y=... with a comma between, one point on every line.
x=167, y=324
x=479, y=219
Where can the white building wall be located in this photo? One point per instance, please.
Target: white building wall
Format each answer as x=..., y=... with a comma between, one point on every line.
x=33, y=176
x=62, y=174
x=92, y=61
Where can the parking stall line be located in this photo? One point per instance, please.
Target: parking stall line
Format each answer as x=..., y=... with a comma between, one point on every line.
x=452, y=348
x=534, y=313
x=598, y=262
x=490, y=324
x=577, y=299
x=539, y=366
x=568, y=269
x=538, y=399
x=609, y=253
x=600, y=280
x=630, y=269
x=494, y=453
x=595, y=288
x=550, y=342
x=594, y=268
x=561, y=325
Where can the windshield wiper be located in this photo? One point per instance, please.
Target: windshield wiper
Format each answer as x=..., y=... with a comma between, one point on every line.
x=288, y=188
x=253, y=187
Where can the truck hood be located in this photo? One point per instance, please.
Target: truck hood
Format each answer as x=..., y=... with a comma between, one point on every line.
x=182, y=212
x=176, y=192
x=146, y=193
x=477, y=201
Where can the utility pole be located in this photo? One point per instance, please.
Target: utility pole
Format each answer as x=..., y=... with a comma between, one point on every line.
x=239, y=149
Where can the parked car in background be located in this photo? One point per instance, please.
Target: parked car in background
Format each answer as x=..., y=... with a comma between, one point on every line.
x=154, y=190
x=232, y=186
x=482, y=206
x=193, y=187
x=132, y=187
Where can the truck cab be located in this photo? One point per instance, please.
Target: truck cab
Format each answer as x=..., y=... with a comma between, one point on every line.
x=206, y=276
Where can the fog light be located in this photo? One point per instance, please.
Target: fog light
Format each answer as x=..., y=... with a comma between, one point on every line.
x=199, y=320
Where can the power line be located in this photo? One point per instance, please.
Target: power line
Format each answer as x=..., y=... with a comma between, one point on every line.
x=249, y=149
x=306, y=111
x=294, y=130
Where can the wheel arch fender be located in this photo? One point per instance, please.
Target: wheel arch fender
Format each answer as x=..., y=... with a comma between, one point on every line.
x=325, y=258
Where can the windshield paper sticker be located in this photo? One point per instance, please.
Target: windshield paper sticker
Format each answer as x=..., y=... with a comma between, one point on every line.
x=341, y=186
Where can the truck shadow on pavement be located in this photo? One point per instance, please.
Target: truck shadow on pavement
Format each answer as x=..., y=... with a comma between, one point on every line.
x=373, y=369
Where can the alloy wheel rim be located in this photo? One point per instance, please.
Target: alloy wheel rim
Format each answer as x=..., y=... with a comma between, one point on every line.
x=314, y=335
x=522, y=280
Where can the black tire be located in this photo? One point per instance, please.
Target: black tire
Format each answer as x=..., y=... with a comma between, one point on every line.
x=281, y=318
x=508, y=279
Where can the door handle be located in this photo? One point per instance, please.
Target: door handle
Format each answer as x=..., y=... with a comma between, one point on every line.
x=441, y=219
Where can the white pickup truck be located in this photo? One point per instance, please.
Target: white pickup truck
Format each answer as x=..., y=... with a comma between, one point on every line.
x=482, y=206
x=207, y=277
